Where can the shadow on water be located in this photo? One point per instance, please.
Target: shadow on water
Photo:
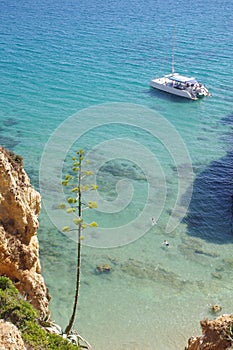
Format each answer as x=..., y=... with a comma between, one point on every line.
x=210, y=214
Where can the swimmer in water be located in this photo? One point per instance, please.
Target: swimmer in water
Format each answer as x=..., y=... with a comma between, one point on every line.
x=166, y=243
x=153, y=221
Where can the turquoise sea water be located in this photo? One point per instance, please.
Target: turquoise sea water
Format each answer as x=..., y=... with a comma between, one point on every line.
x=58, y=58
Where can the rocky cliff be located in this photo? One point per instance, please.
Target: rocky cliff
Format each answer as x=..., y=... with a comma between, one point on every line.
x=216, y=335
x=19, y=248
x=10, y=337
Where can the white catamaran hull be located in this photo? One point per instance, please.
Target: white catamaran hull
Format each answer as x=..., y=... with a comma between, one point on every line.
x=156, y=84
x=179, y=89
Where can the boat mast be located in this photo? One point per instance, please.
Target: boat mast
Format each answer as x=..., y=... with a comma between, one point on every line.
x=173, y=50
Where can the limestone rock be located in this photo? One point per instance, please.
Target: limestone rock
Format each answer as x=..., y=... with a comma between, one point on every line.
x=103, y=268
x=19, y=248
x=214, y=335
x=10, y=337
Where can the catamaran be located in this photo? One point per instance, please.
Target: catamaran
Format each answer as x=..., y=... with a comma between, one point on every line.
x=180, y=85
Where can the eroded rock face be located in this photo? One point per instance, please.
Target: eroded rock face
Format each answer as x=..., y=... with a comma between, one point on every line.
x=19, y=248
x=214, y=335
x=10, y=337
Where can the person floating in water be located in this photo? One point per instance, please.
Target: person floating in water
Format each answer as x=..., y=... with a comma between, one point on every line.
x=153, y=221
x=166, y=243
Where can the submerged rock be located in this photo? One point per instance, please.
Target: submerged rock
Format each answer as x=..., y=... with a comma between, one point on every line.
x=123, y=168
x=216, y=275
x=157, y=273
x=19, y=248
x=103, y=268
x=193, y=249
x=215, y=308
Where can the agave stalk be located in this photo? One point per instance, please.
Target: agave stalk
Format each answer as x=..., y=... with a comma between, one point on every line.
x=76, y=208
x=79, y=197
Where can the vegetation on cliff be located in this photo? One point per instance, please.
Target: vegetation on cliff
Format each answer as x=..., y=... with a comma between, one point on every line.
x=14, y=309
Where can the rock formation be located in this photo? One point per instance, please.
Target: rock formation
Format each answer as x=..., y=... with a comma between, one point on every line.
x=10, y=337
x=19, y=248
x=215, y=335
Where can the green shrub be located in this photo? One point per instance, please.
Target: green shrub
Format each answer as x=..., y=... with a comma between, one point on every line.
x=19, y=312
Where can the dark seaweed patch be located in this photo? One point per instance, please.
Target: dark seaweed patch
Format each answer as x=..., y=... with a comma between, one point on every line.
x=9, y=122
x=8, y=142
x=227, y=120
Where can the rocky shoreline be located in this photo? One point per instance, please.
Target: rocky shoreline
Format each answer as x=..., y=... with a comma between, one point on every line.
x=216, y=335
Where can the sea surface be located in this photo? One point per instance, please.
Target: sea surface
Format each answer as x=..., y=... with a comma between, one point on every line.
x=88, y=64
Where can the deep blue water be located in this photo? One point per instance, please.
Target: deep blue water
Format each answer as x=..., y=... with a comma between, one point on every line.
x=60, y=57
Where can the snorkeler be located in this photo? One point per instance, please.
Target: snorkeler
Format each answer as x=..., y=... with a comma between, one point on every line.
x=166, y=243
x=153, y=221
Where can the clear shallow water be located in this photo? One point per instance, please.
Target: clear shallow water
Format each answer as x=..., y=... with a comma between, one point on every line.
x=60, y=57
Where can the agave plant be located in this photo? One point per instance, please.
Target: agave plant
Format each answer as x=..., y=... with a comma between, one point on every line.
x=75, y=206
